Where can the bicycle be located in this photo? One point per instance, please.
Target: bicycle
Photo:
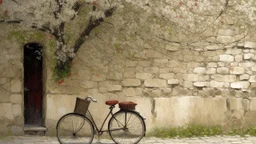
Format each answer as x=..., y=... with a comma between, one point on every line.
x=79, y=127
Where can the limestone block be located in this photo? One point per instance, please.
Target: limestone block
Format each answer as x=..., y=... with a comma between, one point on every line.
x=164, y=70
x=17, y=130
x=199, y=70
x=211, y=71
x=253, y=104
x=144, y=76
x=172, y=47
x=211, y=65
x=216, y=84
x=129, y=74
x=224, y=78
x=240, y=85
x=139, y=69
x=188, y=58
x=253, y=68
x=190, y=77
x=212, y=47
x=4, y=95
x=248, y=56
x=3, y=81
x=88, y=84
x=16, y=85
x=234, y=51
x=151, y=69
x=252, y=78
x=250, y=44
x=189, y=110
x=155, y=83
x=161, y=60
x=114, y=88
x=235, y=103
x=187, y=84
x=98, y=77
x=131, y=82
x=173, y=81
x=131, y=63
x=247, y=64
x=6, y=111
x=16, y=98
x=201, y=84
x=173, y=63
x=237, y=70
x=226, y=58
x=114, y=76
x=16, y=110
x=166, y=76
x=84, y=74
x=244, y=77
x=9, y=72
x=138, y=91
x=144, y=63
x=222, y=70
x=152, y=54
x=246, y=104
x=129, y=92
x=225, y=39
x=249, y=119
x=226, y=32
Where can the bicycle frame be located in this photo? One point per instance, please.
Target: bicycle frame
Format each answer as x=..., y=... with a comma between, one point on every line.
x=100, y=131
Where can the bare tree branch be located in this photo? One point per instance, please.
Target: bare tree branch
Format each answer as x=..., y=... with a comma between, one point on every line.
x=10, y=21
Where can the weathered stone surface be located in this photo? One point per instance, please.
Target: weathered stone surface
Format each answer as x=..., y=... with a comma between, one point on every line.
x=152, y=54
x=151, y=69
x=166, y=76
x=17, y=130
x=244, y=77
x=129, y=74
x=84, y=74
x=3, y=80
x=226, y=58
x=16, y=85
x=199, y=70
x=237, y=70
x=226, y=32
x=88, y=84
x=252, y=78
x=249, y=119
x=4, y=95
x=212, y=47
x=225, y=39
x=188, y=109
x=172, y=47
x=131, y=63
x=131, y=82
x=238, y=58
x=114, y=88
x=211, y=71
x=155, y=83
x=224, y=78
x=222, y=70
x=144, y=63
x=211, y=65
x=216, y=84
x=246, y=104
x=98, y=77
x=16, y=109
x=173, y=81
x=190, y=77
x=201, y=84
x=250, y=44
x=235, y=104
x=234, y=51
x=114, y=76
x=6, y=111
x=129, y=92
x=240, y=85
x=248, y=56
x=144, y=76
x=16, y=98
x=160, y=60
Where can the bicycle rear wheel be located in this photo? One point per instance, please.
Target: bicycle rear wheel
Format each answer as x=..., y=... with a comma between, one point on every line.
x=126, y=127
x=73, y=128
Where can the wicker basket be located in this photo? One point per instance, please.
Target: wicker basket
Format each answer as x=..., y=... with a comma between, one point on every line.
x=127, y=105
x=81, y=106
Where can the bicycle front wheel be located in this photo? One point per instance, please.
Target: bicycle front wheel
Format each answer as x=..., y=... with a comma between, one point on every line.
x=126, y=127
x=73, y=128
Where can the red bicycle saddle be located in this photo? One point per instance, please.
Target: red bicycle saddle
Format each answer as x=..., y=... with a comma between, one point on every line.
x=111, y=102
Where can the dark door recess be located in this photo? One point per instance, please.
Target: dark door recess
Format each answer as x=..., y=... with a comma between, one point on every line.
x=33, y=83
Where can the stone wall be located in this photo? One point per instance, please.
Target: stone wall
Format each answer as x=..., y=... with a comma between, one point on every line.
x=208, y=81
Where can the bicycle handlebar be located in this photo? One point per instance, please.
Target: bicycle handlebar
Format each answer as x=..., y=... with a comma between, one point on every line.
x=90, y=97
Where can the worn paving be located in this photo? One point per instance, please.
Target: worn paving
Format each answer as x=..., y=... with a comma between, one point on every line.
x=28, y=139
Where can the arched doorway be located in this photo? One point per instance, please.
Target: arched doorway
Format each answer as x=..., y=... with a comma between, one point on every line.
x=33, y=97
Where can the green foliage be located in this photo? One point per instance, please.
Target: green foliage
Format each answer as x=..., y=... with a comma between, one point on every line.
x=61, y=71
x=200, y=131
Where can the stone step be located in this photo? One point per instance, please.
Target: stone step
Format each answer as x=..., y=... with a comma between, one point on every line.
x=34, y=128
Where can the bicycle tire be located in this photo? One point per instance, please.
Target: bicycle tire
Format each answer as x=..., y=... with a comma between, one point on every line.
x=126, y=127
x=74, y=128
